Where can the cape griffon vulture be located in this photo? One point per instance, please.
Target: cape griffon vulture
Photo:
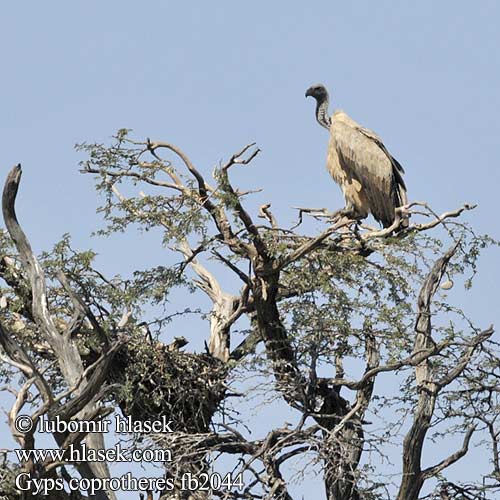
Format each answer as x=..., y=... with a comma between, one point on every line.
x=370, y=178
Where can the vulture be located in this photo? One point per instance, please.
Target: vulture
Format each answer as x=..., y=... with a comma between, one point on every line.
x=369, y=176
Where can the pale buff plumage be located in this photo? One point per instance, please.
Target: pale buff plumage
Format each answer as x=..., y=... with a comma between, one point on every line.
x=358, y=161
x=370, y=178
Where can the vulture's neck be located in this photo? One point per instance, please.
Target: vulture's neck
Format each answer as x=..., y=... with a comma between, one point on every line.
x=322, y=114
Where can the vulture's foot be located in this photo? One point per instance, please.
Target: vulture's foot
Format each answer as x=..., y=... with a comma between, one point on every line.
x=347, y=213
x=345, y=218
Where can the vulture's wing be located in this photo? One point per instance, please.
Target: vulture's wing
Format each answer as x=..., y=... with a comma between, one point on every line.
x=399, y=170
x=362, y=153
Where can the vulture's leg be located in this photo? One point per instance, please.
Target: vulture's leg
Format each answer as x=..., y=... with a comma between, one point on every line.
x=345, y=217
x=350, y=212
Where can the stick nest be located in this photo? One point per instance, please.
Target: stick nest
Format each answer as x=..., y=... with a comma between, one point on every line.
x=154, y=381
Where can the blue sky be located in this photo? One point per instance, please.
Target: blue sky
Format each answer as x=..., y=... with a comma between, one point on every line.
x=213, y=76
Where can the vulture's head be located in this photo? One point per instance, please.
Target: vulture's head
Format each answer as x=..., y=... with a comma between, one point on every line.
x=320, y=93
x=317, y=91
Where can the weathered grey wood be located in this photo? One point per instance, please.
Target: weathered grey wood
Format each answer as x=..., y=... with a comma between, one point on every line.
x=64, y=348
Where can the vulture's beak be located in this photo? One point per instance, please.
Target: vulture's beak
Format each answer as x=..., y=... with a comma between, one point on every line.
x=308, y=92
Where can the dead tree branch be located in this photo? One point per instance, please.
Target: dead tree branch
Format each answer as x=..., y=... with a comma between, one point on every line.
x=66, y=351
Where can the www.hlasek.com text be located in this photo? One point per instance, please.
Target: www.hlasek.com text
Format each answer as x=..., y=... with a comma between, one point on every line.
x=81, y=453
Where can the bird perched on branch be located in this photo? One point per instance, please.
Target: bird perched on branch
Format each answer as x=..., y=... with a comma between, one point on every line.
x=369, y=176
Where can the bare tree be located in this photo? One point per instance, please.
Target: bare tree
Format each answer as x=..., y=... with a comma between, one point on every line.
x=324, y=317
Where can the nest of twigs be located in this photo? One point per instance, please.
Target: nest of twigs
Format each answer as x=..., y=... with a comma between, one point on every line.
x=154, y=381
